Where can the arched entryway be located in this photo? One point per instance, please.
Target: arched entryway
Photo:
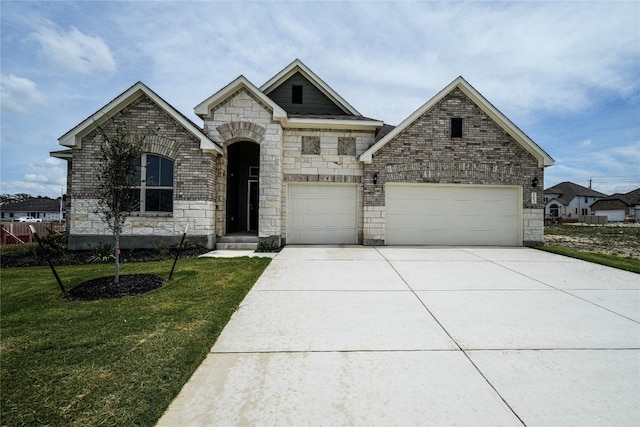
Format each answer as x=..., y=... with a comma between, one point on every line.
x=243, y=166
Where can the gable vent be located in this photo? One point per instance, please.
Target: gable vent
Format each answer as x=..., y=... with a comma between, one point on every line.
x=296, y=94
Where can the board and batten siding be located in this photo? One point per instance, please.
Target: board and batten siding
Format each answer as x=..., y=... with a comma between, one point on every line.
x=313, y=100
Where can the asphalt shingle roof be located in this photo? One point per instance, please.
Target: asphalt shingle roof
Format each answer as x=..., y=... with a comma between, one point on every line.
x=568, y=190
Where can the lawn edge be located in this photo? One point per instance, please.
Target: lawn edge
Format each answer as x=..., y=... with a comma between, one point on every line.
x=613, y=261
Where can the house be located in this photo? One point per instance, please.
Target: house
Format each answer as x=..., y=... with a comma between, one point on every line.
x=43, y=208
x=293, y=162
x=569, y=200
x=619, y=207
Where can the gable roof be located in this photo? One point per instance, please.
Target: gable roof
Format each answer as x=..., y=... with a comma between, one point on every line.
x=632, y=198
x=280, y=115
x=74, y=136
x=298, y=67
x=241, y=82
x=568, y=190
x=500, y=119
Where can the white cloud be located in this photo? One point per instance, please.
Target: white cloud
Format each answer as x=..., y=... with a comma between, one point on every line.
x=46, y=178
x=18, y=94
x=75, y=51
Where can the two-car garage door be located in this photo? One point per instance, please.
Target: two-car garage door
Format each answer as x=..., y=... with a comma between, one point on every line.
x=439, y=214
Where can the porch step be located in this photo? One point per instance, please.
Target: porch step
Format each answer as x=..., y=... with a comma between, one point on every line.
x=237, y=242
x=238, y=239
x=244, y=246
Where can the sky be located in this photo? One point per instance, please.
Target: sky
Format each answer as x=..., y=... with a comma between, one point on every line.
x=566, y=73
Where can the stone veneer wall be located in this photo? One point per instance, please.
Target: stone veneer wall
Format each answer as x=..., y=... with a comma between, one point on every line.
x=241, y=117
x=328, y=165
x=194, y=184
x=425, y=153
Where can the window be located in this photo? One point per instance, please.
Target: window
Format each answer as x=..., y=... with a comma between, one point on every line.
x=585, y=212
x=296, y=94
x=586, y=200
x=456, y=127
x=154, y=193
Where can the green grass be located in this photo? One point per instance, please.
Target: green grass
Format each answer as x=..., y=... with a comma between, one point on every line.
x=623, y=263
x=111, y=362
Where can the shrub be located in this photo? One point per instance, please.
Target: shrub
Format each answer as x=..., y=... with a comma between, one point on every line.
x=102, y=252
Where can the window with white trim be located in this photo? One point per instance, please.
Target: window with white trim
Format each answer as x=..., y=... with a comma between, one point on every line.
x=154, y=193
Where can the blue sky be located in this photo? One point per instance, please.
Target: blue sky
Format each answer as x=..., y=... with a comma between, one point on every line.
x=566, y=73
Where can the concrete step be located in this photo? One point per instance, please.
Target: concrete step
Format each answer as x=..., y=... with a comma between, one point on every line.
x=226, y=246
x=238, y=239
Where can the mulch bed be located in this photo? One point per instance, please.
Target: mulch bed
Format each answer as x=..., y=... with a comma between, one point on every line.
x=104, y=287
x=84, y=257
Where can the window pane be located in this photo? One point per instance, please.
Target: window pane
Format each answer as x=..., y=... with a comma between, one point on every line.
x=134, y=180
x=159, y=200
x=134, y=194
x=153, y=170
x=166, y=173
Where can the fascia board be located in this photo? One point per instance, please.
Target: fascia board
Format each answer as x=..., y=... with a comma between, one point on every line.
x=74, y=136
x=205, y=106
x=367, y=156
x=298, y=66
x=331, y=124
x=527, y=143
x=543, y=158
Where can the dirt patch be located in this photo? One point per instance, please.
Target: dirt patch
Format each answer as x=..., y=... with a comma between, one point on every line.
x=615, y=240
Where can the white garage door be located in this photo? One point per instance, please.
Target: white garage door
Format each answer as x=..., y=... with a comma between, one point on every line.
x=322, y=214
x=612, y=215
x=439, y=214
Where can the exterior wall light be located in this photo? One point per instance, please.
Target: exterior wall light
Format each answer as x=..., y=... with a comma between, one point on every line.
x=534, y=182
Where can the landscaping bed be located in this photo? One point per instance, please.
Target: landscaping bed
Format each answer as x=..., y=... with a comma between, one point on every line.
x=29, y=255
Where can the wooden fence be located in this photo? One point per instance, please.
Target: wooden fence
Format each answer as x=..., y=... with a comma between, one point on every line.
x=19, y=232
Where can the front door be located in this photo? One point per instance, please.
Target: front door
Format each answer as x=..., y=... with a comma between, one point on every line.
x=242, y=187
x=252, y=208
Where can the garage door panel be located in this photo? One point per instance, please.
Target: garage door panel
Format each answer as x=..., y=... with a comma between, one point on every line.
x=322, y=214
x=453, y=215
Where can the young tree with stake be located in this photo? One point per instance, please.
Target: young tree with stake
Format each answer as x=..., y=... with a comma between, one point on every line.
x=117, y=173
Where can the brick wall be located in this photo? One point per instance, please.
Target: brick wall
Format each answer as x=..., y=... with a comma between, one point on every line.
x=194, y=177
x=425, y=152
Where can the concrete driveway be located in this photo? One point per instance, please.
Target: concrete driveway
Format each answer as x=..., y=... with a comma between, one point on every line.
x=424, y=336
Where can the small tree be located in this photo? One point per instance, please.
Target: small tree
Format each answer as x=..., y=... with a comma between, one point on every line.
x=116, y=175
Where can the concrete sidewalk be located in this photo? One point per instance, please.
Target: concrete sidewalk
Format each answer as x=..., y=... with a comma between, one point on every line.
x=424, y=336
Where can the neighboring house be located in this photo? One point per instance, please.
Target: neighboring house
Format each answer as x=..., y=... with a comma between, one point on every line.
x=619, y=207
x=46, y=209
x=568, y=200
x=293, y=162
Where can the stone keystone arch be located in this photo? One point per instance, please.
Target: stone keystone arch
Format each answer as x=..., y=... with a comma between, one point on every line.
x=236, y=131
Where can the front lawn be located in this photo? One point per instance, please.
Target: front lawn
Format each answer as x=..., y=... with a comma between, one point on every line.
x=110, y=362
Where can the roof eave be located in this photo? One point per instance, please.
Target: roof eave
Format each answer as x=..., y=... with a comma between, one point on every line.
x=371, y=125
x=74, y=136
x=544, y=160
x=241, y=82
x=298, y=66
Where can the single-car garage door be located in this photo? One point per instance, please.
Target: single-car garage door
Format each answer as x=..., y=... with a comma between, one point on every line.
x=322, y=213
x=441, y=214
